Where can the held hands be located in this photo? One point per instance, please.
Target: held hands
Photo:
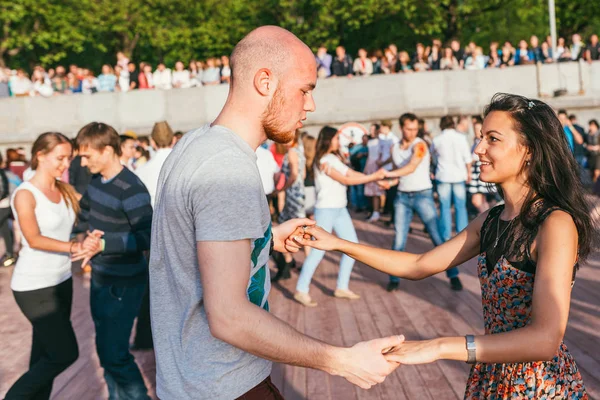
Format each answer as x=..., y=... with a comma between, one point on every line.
x=366, y=364
x=284, y=234
x=380, y=174
x=415, y=352
x=88, y=248
x=318, y=238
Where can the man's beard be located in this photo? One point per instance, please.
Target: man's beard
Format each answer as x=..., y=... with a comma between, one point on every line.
x=271, y=126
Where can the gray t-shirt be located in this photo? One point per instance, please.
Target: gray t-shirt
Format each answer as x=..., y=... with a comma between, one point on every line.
x=209, y=189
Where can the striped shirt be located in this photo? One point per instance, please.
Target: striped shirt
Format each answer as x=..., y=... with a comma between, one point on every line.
x=121, y=209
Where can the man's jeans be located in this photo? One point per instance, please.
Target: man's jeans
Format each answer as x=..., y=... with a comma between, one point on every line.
x=452, y=193
x=114, y=308
x=357, y=196
x=422, y=203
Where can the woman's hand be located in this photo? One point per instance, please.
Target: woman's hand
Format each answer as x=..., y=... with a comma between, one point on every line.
x=320, y=239
x=415, y=352
x=283, y=234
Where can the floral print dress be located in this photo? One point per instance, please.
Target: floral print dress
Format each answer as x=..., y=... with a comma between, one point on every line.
x=507, y=292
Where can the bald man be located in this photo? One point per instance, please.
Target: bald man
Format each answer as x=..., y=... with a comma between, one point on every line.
x=211, y=239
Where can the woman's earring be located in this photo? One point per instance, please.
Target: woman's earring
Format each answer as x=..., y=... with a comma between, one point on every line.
x=527, y=162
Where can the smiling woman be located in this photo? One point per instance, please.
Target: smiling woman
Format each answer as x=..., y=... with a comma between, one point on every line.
x=528, y=251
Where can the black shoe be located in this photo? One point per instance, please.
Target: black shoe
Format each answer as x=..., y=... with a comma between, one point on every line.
x=455, y=284
x=392, y=286
x=283, y=272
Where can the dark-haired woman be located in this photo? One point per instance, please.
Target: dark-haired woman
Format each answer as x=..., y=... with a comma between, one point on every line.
x=332, y=177
x=45, y=209
x=528, y=251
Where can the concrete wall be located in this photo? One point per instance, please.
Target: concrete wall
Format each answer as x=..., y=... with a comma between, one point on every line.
x=430, y=95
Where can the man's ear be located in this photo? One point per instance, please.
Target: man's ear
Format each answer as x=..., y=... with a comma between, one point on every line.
x=264, y=82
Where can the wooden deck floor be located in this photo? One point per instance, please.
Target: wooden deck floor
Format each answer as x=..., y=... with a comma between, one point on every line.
x=420, y=310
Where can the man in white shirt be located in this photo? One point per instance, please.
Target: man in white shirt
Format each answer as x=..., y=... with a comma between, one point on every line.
x=412, y=161
x=453, y=173
x=162, y=77
x=162, y=139
x=267, y=168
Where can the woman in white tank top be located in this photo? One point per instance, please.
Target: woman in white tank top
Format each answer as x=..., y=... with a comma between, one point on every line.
x=45, y=209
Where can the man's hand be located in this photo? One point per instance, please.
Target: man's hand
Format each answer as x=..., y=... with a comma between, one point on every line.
x=365, y=363
x=283, y=234
x=91, y=246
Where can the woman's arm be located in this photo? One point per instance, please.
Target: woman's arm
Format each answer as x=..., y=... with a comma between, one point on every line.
x=353, y=177
x=556, y=248
x=456, y=251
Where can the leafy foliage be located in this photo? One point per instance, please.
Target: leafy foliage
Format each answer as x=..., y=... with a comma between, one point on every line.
x=90, y=32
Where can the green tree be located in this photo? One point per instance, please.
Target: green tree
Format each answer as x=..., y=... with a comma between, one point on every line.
x=40, y=30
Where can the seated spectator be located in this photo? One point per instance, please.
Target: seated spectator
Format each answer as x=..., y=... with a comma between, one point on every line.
x=495, y=57
x=458, y=53
x=20, y=85
x=476, y=60
x=181, y=76
x=435, y=56
x=59, y=81
x=89, y=84
x=449, y=61
x=523, y=55
x=565, y=56
x=419, y=61
x=122, y=78
x=4, y=76
x=342, y=64
x=107, y=80
x=324, y=61
x=195, y=74
x=547, y=53
x=592, y=52
x=134, y=82
x=363, y=66
x=560, y=48
x=536, y=49
x=225, y=70
x=145, y=77
x=577, y=48
x=376, y=59
x=74, y=83
x=508, y=55
x=40, y=85
x=403, y=64
x=390, y=60
x=211, y=74
x=122, y=60
x=162, y=77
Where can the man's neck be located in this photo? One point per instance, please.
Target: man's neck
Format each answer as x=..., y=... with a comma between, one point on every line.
x=248, y=128
x=112, y=170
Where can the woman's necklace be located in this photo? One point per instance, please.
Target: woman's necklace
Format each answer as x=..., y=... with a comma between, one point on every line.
x=498, y=233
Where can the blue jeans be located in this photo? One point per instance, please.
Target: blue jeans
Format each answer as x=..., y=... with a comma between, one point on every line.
x=452, y=193
x=339, y=220
x=114, y=307
x=405, y=205
x=357, y=196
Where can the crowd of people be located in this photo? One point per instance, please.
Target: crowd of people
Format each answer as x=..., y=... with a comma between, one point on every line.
x=126, y=75
x=200, y=207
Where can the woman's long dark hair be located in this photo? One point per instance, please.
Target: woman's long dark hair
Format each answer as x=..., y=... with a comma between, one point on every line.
x=326, y=135
x=552, y=173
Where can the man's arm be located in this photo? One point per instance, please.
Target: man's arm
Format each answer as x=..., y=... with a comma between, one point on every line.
x=232, y=318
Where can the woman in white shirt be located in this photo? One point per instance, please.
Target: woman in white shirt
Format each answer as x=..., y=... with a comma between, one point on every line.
x=181, y=76
x=332, y=177
x=45, y=209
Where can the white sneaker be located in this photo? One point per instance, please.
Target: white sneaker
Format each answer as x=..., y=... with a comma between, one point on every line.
x=374, y=217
